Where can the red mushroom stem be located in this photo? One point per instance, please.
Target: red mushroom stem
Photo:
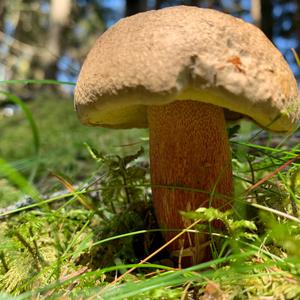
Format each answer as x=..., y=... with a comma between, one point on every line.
x=188, y=149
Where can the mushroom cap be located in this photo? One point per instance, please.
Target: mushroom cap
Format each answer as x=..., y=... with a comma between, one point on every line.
x=185, y=53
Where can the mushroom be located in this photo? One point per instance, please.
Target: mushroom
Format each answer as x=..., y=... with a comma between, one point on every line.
x=183, y=71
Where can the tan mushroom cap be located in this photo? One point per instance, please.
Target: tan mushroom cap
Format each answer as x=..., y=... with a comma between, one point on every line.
x=185, y=53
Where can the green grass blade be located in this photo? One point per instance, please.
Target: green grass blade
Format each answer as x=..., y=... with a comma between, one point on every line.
x=130, y=289
x=27, y=112
x=33, y=126
x=16, y=178
x=34, y=81
x=296, y=57
x=59, y=284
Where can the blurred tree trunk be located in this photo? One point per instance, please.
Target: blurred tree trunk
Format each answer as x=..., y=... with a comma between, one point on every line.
x=256, y=12
x=59, y=19
x=134, y=7
x=46, y=39
x=267, y=19
x=40, y=33
x=262, y=16
x=195, y=2
x=158, y=4
x=297, y=25
x=2, y=14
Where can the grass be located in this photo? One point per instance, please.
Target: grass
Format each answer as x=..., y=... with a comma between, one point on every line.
x=61, y=142
x=81, y=244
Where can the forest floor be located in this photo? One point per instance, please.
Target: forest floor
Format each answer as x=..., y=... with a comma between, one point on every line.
x=89, y=221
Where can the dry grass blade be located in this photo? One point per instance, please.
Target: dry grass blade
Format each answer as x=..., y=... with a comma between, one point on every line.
x=155, y=252
x=260, y=182
x=81, y=198
x=296, y=57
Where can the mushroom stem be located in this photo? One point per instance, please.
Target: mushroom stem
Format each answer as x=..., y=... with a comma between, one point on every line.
x=188, y=148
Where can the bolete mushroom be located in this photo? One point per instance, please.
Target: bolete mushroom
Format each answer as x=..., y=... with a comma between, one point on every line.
x=182, y=71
